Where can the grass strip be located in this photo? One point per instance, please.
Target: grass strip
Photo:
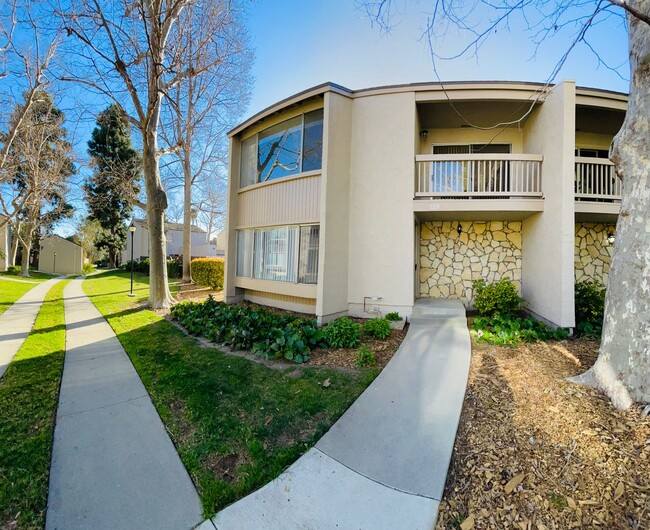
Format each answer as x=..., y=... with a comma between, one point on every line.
x=34, y=276
x=12, y=291
x=29, y=394
x=236, y=424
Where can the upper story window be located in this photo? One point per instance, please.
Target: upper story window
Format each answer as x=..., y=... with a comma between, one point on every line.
x=288, y=148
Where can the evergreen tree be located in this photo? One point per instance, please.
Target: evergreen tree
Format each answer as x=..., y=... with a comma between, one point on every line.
x=113, y=185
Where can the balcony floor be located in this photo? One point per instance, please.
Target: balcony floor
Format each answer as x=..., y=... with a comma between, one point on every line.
x=509, y=209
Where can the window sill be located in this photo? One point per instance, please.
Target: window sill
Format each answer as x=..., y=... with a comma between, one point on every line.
x=298, y=176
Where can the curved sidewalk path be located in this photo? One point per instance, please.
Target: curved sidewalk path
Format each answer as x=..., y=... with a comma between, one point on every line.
x=113, y=464
x=383, y=464
x=19, y=318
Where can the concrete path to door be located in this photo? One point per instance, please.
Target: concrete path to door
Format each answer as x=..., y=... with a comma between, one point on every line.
x=18, y=320
x=383, y=465
x=113, y=464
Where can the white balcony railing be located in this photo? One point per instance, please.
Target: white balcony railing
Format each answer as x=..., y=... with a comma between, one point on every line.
x=478, y=176
x=596, y=180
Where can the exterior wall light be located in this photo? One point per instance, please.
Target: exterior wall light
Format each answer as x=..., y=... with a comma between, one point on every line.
x=611, y=238
x=424, y=133
x=459, y=229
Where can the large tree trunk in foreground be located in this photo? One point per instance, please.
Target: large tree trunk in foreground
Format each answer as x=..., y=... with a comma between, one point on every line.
x=187, y=218
x=159, y=295
x=622, y=369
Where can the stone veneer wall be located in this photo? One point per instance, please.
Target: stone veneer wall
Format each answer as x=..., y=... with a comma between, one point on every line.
x=593, y=252
x=450, y=262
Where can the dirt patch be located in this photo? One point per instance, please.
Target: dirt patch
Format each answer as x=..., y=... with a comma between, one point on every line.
x=191, y=292
x=535, y=451
x=225, y=466
x=346, y=357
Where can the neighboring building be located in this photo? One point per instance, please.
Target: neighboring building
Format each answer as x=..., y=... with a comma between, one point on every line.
x=353, y=202
x=5, y=246
x=60, y=256
x=174, y=236
x=221, y=243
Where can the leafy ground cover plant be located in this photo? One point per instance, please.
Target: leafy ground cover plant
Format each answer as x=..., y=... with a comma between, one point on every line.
x=342, y=333
x=377, y=328
x=265, y=333
x=498, y=298
x=365, y=357
x=511, y=330
x=393, y=316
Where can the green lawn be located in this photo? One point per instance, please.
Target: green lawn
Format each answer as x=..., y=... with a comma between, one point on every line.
x=236, y=424
x=29, y=393
x=34, y=276
x=12, y=291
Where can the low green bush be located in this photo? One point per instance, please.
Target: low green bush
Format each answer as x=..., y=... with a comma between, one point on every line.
x=264, y=332
x=589, y=308
x=393, y=316
x=87, y=269
x=503, y=330
x=377, y=328
x=498, y=298
x=174, y=267
x=14, y=269
x=342, y=333
x=365, y=357
x=208, y=271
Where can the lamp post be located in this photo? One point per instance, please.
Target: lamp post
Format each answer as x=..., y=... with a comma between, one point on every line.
x=132, y=230
x=54, y=267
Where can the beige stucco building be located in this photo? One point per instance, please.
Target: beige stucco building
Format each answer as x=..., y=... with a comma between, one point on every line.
x=60, y=256
x=359, y=202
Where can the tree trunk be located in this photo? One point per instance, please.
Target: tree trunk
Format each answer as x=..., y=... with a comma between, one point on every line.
x=159, y=295
x=187, y=218
x=622, y=369
x=14, y=246
x=26, y=244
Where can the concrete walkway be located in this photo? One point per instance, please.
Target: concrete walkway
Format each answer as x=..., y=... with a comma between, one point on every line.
x=383, y=465
x=18, y=320
x=113, y=464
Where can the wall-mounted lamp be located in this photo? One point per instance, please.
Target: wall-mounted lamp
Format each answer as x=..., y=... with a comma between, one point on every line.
x=424, y=133
x=611, y=238
x=459, y=229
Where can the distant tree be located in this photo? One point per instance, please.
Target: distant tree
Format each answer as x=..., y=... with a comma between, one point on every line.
x=112, y=188
x=38, y=164
x=88, y=233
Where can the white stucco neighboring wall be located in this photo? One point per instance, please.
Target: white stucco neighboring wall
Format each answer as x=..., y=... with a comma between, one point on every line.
x=548, y=237
x=381, y=231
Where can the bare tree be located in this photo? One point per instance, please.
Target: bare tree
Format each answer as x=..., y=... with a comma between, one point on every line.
x=128, y=53
x=25, y=64
x=203, y=107
x=39, y=164
x=622, y=369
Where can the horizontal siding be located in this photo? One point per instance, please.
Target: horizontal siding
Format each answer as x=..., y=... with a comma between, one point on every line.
x=291, y=303
x=291, y=202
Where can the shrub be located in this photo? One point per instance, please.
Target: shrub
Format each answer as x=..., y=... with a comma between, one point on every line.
x=377, y=328
x=590, y=301
x=251, y=328
x=365, y=357
x=499, y=298
x=342, y=333
x=14, y=269
x=174, y=267
x=393, y=317
x=504, y=330
x=208, y=271
x=87, y=269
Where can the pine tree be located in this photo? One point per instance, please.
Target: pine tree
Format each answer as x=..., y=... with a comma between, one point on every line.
x=114, y=183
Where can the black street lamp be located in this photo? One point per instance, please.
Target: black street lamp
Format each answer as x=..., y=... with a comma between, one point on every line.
x=132, y=230
x=54, y=267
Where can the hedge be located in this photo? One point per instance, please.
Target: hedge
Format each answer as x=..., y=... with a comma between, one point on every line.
x=208, y=271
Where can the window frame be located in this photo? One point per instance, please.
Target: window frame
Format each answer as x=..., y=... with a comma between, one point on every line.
x=300, y=172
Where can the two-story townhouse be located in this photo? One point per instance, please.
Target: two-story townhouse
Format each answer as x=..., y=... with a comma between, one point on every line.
x=358, y=202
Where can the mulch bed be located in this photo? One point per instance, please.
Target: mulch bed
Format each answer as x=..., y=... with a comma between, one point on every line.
x=534, y=451
x=196, y=293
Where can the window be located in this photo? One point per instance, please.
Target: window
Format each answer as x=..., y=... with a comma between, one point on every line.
x=288, y=148
x=284, y=253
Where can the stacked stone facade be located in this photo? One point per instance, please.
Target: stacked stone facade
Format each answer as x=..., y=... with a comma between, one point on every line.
x=450, y=262
x=593, y=252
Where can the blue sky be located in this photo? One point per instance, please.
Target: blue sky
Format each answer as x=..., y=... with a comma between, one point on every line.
x=301, y=43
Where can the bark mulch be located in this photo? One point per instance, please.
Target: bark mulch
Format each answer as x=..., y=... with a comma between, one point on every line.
x=196, y=293
x=534, y=451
